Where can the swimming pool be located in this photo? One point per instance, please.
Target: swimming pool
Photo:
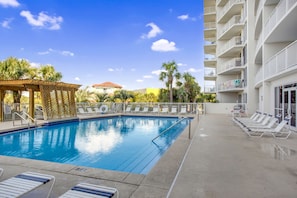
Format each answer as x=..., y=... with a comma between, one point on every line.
x=115, y=143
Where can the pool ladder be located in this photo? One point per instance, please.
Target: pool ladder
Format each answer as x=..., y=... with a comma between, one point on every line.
x=169, y=128
x=24, y=117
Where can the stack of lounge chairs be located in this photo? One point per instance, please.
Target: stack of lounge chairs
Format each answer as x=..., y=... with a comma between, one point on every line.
x=24, y=183
x=260, y=124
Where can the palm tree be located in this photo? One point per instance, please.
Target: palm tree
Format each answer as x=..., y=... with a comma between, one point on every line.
x=191, y=87
x=169, y=75
x=83, y=95
x=14, y=69
x=123, y=96
x=48, y=73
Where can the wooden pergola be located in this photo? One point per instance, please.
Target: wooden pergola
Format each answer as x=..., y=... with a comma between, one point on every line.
x=58, y=98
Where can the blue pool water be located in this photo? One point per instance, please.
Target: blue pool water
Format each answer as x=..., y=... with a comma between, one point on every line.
x=114, y=143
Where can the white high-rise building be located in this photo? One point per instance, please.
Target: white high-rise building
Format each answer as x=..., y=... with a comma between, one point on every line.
x=251, y=54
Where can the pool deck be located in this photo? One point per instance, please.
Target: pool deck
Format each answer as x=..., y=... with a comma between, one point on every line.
x=219, y=161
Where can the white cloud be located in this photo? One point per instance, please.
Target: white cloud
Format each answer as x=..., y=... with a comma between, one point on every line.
x=193, y=70
x=139, y=80
x=133, y=70
x=115, y=69
x=181, y=64
x=147, y=76
x=63, y=53
x=157, y=72
x=183, y=17
x=5, y=23
x=9, y=3
x=67, y=53
x=43, y=20
x=186, y=17
x=163, y=45
x=77, y=78
x=153, y=32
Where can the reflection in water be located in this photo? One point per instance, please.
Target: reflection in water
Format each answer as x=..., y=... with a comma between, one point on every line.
x=97, y=143
x=278, y=152
x=118, y=143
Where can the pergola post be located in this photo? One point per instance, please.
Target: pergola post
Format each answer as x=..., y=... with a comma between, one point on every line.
x=31, y=103
x=1, y=104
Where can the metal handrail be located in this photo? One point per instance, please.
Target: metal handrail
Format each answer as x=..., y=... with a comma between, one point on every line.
x=23, y=118
x=169, y=128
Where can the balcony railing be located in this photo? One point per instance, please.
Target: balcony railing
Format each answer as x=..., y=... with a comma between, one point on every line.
x=209, y=25
x=259, y=76
x=259, y=41
x=235, y=41
x=259, y=8
x=281, y=62
x=210, y=41
x=209, y=72
x=209, y=88
x=228, y=65
x=209, y=57
x=210, y=10
x=279, y=12
x=233, y=21
x=227, y=7
x=230, y=85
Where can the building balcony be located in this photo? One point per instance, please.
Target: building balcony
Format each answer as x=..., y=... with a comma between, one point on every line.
x=210, y=13
x=210, y=45
x=234, y=85
x=231, y=8
x=210, y=74
x=281, y=25
x=210, y=61
x=231, y=48
x=221, y=3
x=259, y=78
x=283, y=63
x=210, y=89
x=232, y=28
x=230, y=67
x=210, y=29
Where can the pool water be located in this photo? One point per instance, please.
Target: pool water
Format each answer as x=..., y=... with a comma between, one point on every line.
x=114, y=143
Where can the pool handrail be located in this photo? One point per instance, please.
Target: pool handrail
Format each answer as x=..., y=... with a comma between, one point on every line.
x=169, y=128
x=23, y=118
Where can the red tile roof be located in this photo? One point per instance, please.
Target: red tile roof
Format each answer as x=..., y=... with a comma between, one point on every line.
x=107, y=85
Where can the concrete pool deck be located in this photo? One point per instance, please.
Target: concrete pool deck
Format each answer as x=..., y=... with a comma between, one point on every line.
x=220, y=161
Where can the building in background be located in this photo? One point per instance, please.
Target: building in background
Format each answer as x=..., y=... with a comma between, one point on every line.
x=106, y=88
x=251, y=54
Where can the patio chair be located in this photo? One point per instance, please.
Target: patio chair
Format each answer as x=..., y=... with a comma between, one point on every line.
x=90, y=190
x=22, y=184
x=277, y=132
x=268, y=125
x=264, y=122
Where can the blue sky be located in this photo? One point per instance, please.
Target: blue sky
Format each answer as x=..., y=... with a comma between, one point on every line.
x=93, y=41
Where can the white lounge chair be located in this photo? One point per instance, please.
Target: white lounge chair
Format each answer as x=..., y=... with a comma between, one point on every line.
x=128, y=109
x=145, y=109
x=86, y=190
x=90, y=110
x=81, y=110
x=173, y=110
x=22, y=184
x=277, y=132
x=156, y=109
x=137, y=109
x=183, y=110
x=268, y=125
x=164, y=109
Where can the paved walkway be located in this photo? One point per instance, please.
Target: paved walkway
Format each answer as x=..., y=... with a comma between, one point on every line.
x=221, y=161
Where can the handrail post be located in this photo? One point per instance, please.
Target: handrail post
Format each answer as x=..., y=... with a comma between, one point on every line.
x=189, y=129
